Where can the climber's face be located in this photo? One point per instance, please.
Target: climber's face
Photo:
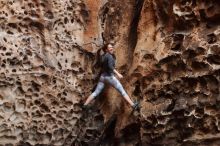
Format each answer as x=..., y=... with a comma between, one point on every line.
x=110, y=49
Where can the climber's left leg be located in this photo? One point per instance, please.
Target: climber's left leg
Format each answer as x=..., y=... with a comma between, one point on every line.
x=118, y=86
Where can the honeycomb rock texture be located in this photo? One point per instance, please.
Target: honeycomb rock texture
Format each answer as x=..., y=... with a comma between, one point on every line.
x=167, y=50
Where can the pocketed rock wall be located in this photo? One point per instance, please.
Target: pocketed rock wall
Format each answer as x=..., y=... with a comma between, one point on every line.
x=167, y=50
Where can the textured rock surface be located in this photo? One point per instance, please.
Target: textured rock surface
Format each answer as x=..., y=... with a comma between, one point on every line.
x=167, y=50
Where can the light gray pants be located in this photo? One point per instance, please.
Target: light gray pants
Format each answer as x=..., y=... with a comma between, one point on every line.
x=113, y=81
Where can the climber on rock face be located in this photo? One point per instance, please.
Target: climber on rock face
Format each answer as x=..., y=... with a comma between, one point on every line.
x=107, y=77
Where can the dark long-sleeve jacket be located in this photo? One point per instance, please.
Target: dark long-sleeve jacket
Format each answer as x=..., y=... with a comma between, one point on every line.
x=108, y=64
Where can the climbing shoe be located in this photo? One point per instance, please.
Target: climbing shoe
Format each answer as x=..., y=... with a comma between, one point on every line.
x=136, y=106
x=85, y=107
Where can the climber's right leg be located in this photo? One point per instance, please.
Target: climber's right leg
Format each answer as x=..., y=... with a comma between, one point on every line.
x=97, y=91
